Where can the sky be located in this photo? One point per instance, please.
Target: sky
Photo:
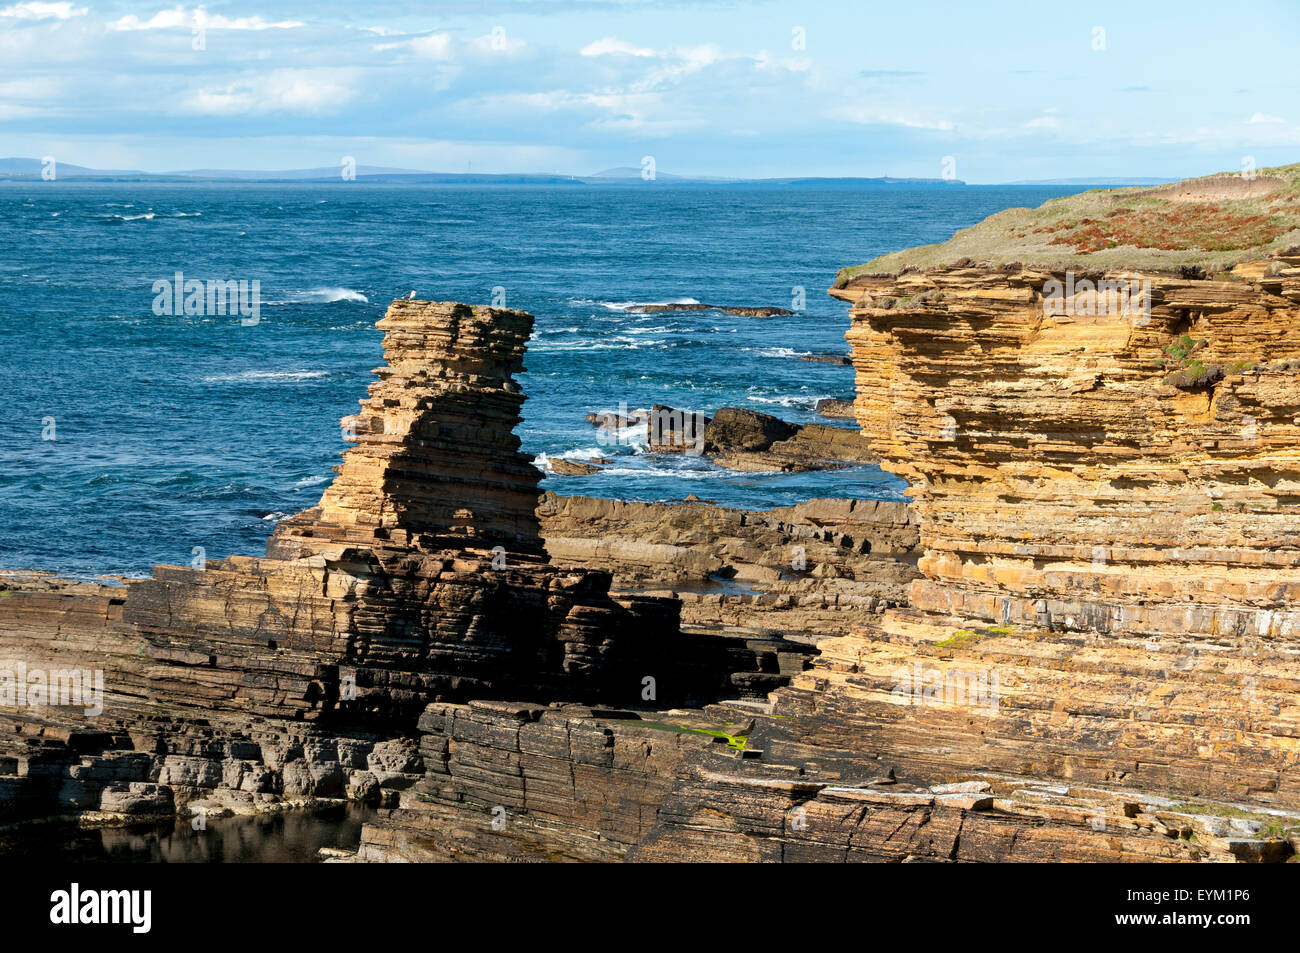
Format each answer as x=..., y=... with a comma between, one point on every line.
x=987, y=92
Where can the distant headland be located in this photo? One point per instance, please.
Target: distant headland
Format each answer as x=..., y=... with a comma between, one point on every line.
x=28, y=169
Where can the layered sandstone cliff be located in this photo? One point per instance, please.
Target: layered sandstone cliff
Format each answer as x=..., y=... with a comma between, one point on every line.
x=1106, y=500
x=809, y=570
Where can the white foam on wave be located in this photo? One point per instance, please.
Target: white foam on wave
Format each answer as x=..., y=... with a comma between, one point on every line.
x=802, y=401
x=134, y=218
x=604, y=344
x=679, y=474
x=624, y=305
x=310, y=481
x=777, y=351
x=661, y=330
x=323, y=296
x=274, y=377
x=582, y=453
x=186, y=214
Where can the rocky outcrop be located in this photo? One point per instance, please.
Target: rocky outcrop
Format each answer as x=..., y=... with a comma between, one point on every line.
x=832, y=407
x=420, y=578
x=571, y=467
x=744, y=311
x=811, y=569
x=1103, y=497
x=1061, y=477
x=735, y=430
x=421, y=573
x=731, y=783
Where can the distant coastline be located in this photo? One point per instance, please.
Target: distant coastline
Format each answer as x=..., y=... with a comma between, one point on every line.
x=32, y=170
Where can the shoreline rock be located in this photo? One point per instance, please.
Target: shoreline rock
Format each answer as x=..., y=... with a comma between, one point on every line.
x=742, y=311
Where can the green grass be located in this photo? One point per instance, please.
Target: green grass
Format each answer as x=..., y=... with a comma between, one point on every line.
x=733, y=741
x=970, y=636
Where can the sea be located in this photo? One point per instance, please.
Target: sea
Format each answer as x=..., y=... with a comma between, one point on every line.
x=135, y=437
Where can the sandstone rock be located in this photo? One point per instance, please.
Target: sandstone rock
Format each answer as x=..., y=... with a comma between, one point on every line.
x=137, y=798
x=867, y=547
x=735, y=429
x=830, y=407
x=571, y=467
x=670, y=430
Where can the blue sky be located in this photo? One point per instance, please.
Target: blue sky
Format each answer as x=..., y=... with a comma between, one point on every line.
x=1008, y=90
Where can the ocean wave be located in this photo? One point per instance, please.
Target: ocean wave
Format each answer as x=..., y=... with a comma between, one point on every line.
x=777, y=351
x=582, y=454
x=624, y=305
x=276, y=377
x=606, y=344
x=323, y=296
x=671, y=472
x=662, y=330
x=186, y=214
x=131, y=218
x=276, y=516
x=800, y=401
x=310, y=481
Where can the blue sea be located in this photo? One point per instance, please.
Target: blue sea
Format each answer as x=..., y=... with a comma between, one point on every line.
x=176, y=432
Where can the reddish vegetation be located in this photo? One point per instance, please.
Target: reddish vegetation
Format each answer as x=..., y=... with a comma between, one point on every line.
x=1193, y=226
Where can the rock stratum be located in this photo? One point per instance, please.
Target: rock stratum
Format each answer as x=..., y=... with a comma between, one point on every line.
x=420, y=578
x=1075, y=642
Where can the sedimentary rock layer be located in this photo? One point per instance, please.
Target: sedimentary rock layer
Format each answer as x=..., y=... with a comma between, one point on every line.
x=815, y=568
x=1070, y=470
x=420, y=577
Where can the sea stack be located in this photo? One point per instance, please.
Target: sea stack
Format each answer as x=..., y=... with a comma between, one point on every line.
x=421, y=574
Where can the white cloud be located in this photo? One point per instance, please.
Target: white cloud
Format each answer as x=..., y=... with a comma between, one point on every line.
x=610, y=44
x=179, y=16
x=432, y=46
x=291, y=91
x=1263, y=117
x=435, y=46
x=874, y=117
x=1043, y=122
x=43, y=11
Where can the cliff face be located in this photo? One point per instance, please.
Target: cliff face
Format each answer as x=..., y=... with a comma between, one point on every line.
x=1086, y=471
x=1101, y=659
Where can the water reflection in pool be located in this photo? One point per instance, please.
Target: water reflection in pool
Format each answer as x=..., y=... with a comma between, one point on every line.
x=289, y=837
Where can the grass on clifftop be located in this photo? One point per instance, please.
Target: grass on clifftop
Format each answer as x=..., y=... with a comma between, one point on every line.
x=1212, y=222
